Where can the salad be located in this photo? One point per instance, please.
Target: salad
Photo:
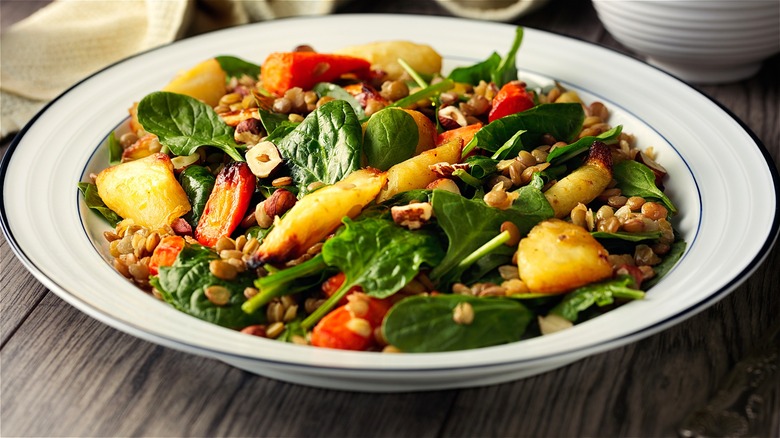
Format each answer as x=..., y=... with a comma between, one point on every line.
x=366, y=200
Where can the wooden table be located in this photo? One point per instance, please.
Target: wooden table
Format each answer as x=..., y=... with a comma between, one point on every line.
x=66, y=374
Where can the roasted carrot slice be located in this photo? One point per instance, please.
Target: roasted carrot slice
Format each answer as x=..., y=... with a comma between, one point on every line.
x=227, y=203
x=285, y=70
x=352, y=326
x=165, y=253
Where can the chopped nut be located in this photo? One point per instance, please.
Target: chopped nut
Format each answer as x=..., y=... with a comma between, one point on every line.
x=463, y=313
x=263, y=158
x=279, y=202
x=444, y=184
x=451, y=117
x=412, y=216
x=445, y=169
x=249, y=131
x=553, y=323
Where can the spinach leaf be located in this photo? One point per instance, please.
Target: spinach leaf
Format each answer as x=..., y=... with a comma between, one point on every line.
x=197, y=182
x=93, y=201
x=271, y=121
x=237, y=67
x=409, y=196
x=336, y=92
x=377, y=255
x=391, y=137
x=286, y=282
x=481, y=71
x=183, y=124
x=183, y=285
x=114, y=150
x=494, y=69
x=507, y=68
x=600, y=294
x=487, y=265
x=420, y=324
x=325, y=147
x=635, y=179
x=511, y=147
x=666, y=265
x=561, y=120
x=561, y=154
x=470, y=223
x=481, y=167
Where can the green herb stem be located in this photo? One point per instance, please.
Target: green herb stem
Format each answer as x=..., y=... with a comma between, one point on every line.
x=466, y=178
x=484, y=250
x=275, y=285
x=425, y=93
x=416, y=76
x=325, y=307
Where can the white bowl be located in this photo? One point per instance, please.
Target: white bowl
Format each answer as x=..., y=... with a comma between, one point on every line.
x=703, y=41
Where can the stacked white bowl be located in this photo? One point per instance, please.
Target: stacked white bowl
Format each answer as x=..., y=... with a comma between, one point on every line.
x=701, y=41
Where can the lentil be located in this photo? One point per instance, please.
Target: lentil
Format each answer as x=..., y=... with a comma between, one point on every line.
x=274, y=330
x=218, y=295
x=514, y=233
x=463, y=313
x=222, y=270
x=360, y=327
x=282, y=181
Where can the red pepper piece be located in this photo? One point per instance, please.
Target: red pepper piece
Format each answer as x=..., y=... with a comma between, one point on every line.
x=165, y=253
x=282, y=71
x=344, y=330
x=227, y=203
x=332, y=284
x=464, y=132
x=511, y=98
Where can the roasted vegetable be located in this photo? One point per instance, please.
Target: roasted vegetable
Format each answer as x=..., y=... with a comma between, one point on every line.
x=165, y=253
x=351, y=326
x=558, y=256
x=144, y=190
x=205, y=82
x=282, y=71
x=465, y=133
x=584, y=184
x=317, y=214
x=384, y=56
x=197, y=182
x=227, y=203
x=512, y=98
x=415, y=173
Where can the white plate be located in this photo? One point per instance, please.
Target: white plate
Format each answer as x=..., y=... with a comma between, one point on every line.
x=721, y=180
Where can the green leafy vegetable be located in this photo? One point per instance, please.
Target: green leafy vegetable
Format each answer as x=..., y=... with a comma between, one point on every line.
x=114, y=150
x=629, y=237
x=425, y=323
x=561, y=120
x=336, y=92
x=271, y=121
x=391, y=137
x=481, y=167
x=377, y=255
x=184, y=284
x=94, y=202
x=561, y=154
x=469, y=224
x=237, y=67
x=325, y=147
x=494, y=69
x=600, y=294
x=635, y=179
x=197, y=182
x=511, y=148
x=183, y=124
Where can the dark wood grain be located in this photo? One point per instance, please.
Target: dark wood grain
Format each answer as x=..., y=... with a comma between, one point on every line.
x=63, y=373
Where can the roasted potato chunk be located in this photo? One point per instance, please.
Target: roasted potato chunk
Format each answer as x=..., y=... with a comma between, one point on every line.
x=144, y=190
x=558, y=256
x=384, y=56
x=205, y=81
x=584, y=184
x=318, y=214
x=415, y=172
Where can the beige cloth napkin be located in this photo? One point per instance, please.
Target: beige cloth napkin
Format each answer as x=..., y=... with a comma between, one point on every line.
x=67, y=40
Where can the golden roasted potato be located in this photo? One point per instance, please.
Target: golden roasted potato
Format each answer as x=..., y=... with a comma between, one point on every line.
x=384, y=56
x=205, y=81
x=318, y=214
x=143, y=147
x=415, y=172
x=558, y=256
x=584, y=184
x=144, y=190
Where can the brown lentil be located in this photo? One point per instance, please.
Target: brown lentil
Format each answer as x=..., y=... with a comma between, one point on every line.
x=222, y=270
x=617, y=201
x=540, y=154
x=634, y=225
x=463, y=313
x=514, y=233
x=275, y=311
x=311, y=304
x=251, y=246
x=282, y=182
x=249, y=292
x=230, y=254
x=496, y=198
x=516, y=169
x=218, y=295
x=599, y=109
x=299, y=340
x=461, y=289
x=514, y=286
x=274, y=330
x=290, y=313
x=578, y=214
x=237, y=263
x=224, y=243
x=609, y=225
x=635, y=203
x=492, y=291
x=526, y=158
x=644, y=256
x=240, y=242
x=360, y=327
x=394, y=90
x=654, y=211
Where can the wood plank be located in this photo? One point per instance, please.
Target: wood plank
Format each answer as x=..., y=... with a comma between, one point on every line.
x=20, y=292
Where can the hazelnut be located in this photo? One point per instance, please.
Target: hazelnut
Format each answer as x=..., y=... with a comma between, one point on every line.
x=279, y=202
x=263, y=158
x=451, y=117
x=412, y=216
